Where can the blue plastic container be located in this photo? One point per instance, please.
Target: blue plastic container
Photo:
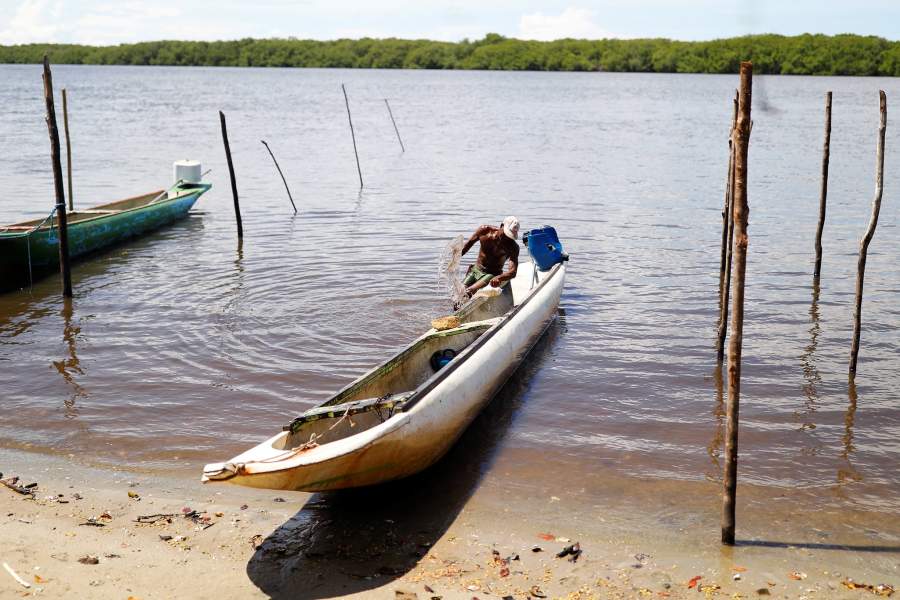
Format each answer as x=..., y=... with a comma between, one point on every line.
x=544, y=247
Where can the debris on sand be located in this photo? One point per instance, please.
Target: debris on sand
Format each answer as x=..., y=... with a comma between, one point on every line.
x=89, y=560
x=15, y=575
x=151, y=519
x=882, y=589
x=573, y=549
x=93, y=522
x=13, y=484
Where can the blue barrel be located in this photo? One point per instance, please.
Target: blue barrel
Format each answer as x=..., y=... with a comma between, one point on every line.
x=544, y=246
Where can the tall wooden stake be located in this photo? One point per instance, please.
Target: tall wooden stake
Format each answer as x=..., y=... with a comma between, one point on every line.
x=741, y=214
x=234, y=192
x=57, y=182
x=826, y=150
x=353, y=134
x=68, y=149
x=727, y=237
x=870, y=231
x=291, y=198
x=402, y=149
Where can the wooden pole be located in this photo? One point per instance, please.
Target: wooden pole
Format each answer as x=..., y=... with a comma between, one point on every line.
x=727, y=237
x=57, y=182
x=870, y=231
x=726, y=213
x=353, y=134
x=68, y=149
x=291, y=198
x=402, y=149
x=823, y=193
x=234, y=192
x=741, y=214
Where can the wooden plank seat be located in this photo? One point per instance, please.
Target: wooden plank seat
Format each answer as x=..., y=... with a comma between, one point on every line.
x=387, y=403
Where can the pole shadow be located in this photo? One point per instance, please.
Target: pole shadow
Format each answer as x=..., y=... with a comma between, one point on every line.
x=817, y=546
x=353, y=541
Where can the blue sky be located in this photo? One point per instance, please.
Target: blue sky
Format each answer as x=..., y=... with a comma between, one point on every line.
x=116, y=21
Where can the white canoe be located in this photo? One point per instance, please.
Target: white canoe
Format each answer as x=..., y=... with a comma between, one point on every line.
x=402, y=416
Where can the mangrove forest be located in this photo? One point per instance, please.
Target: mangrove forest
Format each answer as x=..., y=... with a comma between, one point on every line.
x=806, y=54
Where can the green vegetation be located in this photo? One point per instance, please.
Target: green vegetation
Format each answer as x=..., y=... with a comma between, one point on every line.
x=798, y=55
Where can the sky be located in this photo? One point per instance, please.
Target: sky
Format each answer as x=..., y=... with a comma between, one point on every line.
x=116, y=21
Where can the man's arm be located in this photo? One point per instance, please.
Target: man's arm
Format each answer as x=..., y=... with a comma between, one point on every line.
x=478, y=233
x=511, y=272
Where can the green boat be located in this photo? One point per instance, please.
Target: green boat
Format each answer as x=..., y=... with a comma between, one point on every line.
x=30, y=250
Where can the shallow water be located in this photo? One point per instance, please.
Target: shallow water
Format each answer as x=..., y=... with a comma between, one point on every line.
x=185, y=346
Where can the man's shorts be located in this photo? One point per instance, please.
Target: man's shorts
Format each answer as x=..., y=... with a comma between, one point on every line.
x=476, y=275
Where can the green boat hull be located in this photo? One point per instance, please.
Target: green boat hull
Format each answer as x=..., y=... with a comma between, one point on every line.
x=26, y=256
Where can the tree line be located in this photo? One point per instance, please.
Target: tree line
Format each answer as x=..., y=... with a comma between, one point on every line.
x=808, y=54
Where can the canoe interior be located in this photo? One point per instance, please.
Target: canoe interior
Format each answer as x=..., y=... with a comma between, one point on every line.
x=375, y=396
x=103, y=209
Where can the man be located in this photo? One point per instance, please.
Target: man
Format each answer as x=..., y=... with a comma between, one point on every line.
x=498, y=244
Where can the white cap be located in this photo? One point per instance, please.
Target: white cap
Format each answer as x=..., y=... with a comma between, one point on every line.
x=511, y=227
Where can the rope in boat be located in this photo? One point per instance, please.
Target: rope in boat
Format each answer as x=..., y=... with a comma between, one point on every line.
x=312, y=443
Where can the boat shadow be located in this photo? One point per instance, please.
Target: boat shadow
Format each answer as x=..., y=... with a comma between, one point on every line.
x=353, y=541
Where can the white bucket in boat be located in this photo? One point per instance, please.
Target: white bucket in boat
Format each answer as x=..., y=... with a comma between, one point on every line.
x=187, y=171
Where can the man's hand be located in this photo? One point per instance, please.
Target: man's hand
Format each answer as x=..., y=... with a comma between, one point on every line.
x=496, y=281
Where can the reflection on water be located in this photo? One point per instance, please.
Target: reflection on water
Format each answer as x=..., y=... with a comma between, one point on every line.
x=188, y=336
x=808, y=360
x=847, y=473
x=69, y=367
x=714, y=449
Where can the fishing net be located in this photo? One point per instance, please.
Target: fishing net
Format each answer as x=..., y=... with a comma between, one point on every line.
x=449, y=275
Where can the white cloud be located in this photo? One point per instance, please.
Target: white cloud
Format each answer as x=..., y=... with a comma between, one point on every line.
x=572, y=23
x=33, y=21
x=126, y=21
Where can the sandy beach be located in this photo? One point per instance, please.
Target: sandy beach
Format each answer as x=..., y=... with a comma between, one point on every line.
x=100, y=533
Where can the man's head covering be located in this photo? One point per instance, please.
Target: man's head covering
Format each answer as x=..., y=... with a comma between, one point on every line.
x=511, y=227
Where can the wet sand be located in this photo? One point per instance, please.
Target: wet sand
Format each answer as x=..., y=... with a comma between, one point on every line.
x=471, y=539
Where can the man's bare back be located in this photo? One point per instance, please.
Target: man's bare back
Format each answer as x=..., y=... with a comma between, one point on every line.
x=496, y=247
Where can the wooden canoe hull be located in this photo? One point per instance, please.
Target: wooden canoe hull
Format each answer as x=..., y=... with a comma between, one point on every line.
x=412, y=440
x=87, y=235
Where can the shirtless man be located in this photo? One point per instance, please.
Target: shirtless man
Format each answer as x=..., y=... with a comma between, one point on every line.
x=498, y=244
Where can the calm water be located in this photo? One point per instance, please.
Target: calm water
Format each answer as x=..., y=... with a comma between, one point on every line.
x=185, y=347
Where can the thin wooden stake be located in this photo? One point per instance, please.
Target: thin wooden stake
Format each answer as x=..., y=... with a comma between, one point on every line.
x=68, y=150
x=826, y=151
x=353, y=134
x=291, y=198
x=402, y=149
x=57, y=182
x=726, y=214
x=870, y=231
x=728, y=236
x=735, y=343
x=234, y=192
